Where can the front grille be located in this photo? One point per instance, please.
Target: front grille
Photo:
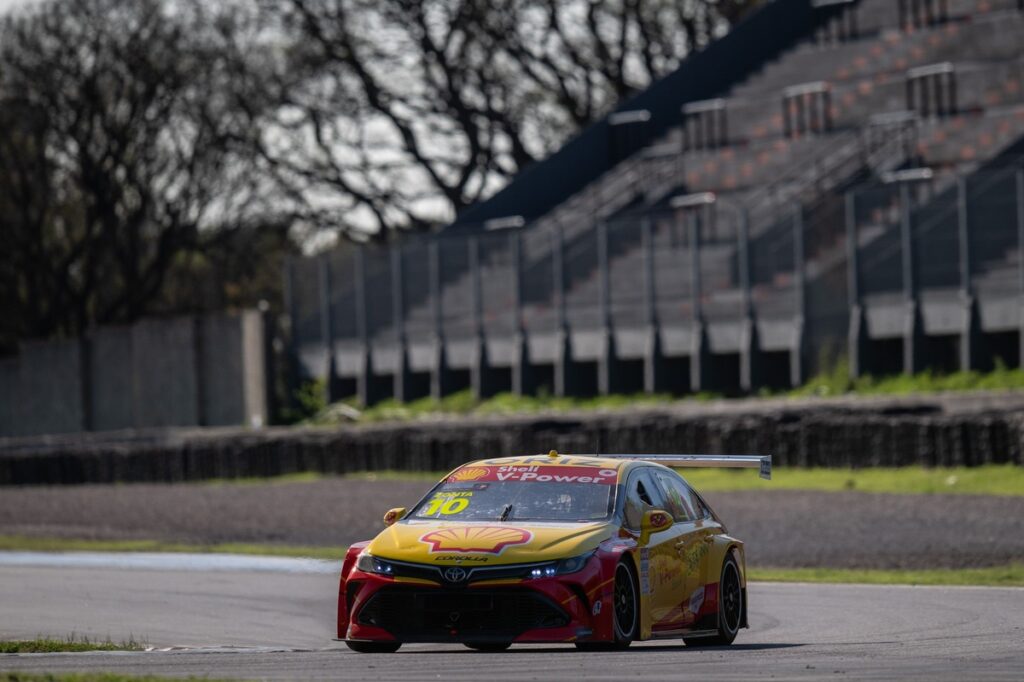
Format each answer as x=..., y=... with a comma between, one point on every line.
x=402, y=569
x=412, y=614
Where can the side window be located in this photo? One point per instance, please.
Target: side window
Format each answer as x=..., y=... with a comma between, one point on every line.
x=682, y=503
x=641, y=495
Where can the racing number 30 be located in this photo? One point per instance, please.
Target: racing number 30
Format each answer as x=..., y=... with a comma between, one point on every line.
x=446, y=505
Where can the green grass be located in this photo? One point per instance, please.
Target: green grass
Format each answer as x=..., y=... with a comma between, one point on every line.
x=71, y=643
x=992, y=479
x=93, y=677
x=997, y=576
x=837, y=382
x=834, y=382
x=37, y=544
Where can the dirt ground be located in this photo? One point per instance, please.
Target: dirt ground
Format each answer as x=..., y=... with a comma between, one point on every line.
x=781, y=528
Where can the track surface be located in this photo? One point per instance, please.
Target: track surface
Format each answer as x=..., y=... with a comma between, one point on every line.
x=799, y=632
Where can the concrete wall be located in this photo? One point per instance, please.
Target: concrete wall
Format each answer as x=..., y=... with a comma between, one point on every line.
x=164, y=368
x=183, y=371
x=49, y=398
x=8, y=396
x=111, y=389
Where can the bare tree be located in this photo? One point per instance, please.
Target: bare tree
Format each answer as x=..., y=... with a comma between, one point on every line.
x=121, y=147
x=399, y=113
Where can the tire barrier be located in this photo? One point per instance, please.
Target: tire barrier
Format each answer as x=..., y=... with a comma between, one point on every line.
x=805, y=437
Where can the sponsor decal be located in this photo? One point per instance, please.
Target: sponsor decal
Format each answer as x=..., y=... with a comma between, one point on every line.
x=645, y=570
x=563, y=460
x=484, y=539
x=533, y=473
x=459, y=558
x=448, y=503
x=597, y=608
x=696, y=600
x=469, y=474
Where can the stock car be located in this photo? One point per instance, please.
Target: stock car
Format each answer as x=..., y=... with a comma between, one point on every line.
x=596, y=550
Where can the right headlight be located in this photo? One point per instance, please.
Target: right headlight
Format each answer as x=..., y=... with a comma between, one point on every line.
x=561, y=567
x=367, y=563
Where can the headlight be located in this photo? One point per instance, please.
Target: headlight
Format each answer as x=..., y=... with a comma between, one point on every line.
x=367, y=563
x=563, y=567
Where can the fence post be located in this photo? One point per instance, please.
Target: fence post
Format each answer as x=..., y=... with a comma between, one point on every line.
x=698, y=348
x=480, y=370
x=563, y=353
x=439, y=377
x=1020, y=250
x=653, y=365
x=857, y=329
x=912, y=327
x=606, y=378
x=750, y=345
x=363, y=378
x=326, y=328
x=970, y=337
x=521, y=383
x=796, y=357
x=400, y=385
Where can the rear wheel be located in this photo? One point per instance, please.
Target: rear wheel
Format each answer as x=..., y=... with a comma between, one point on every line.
x=730, y=607
x=488, y=646
x=374, y=647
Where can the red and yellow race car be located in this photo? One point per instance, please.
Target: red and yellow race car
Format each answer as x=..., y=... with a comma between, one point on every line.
x=595, y=550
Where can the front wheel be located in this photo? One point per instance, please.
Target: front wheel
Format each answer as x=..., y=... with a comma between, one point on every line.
x=626, y=612
x=374, y=647
x=489, y=646
x=730, y=607
x=626, y=618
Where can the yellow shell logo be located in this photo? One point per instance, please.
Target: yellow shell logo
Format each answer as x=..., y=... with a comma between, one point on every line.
x=470, y=474
x=490, y=539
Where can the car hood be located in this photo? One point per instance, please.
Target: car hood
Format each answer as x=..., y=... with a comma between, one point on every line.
x=487, y=543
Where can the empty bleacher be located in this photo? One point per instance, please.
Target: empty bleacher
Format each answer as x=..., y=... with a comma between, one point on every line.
x=764, y=230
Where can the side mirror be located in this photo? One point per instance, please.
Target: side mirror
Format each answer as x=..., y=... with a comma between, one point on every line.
x=654, y=521
x=393, y=515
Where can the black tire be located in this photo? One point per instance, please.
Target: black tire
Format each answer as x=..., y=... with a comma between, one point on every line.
x=730, y=607
x=625, y=614
x=625, y=605
x=488, y=646
x=374, y=647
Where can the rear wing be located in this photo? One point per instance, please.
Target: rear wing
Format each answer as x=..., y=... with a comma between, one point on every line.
x=762, y=462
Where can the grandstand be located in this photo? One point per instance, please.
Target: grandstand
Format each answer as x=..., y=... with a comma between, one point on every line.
x=833, y=177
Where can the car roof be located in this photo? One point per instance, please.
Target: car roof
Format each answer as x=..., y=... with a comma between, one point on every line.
x=555, y=459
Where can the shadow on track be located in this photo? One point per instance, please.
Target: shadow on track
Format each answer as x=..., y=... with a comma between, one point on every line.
x=643, y=646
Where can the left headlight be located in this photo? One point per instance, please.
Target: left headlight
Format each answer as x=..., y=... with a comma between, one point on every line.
x=367, y=563
x=562, y=567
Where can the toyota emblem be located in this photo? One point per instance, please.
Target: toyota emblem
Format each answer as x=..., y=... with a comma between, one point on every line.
x=455, y=574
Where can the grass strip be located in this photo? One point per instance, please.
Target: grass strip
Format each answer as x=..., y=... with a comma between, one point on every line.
x=71, y=643
x=24, y=543
x=996, y=576
x=991, y=479
x=835, y=381
x=94, y=677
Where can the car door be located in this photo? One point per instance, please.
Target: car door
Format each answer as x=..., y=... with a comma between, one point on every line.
x=692, y=545
x=661, y=583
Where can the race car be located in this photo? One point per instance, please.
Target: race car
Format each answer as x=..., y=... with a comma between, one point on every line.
x=596, y=550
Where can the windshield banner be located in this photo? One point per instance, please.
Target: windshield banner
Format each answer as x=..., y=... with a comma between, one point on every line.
x=535, y=474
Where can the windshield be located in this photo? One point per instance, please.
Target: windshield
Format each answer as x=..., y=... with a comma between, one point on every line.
x=549, y=494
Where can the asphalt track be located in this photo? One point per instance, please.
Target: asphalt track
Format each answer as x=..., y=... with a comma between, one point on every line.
x=275, y=622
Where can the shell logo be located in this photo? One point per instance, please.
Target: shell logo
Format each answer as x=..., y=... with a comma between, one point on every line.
x=490, y=539
x=470, y=474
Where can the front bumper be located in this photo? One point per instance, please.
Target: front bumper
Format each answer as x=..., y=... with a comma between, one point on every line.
x=569, y=608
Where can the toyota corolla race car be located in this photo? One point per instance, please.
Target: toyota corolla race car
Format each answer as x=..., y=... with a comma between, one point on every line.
x=595, y=550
